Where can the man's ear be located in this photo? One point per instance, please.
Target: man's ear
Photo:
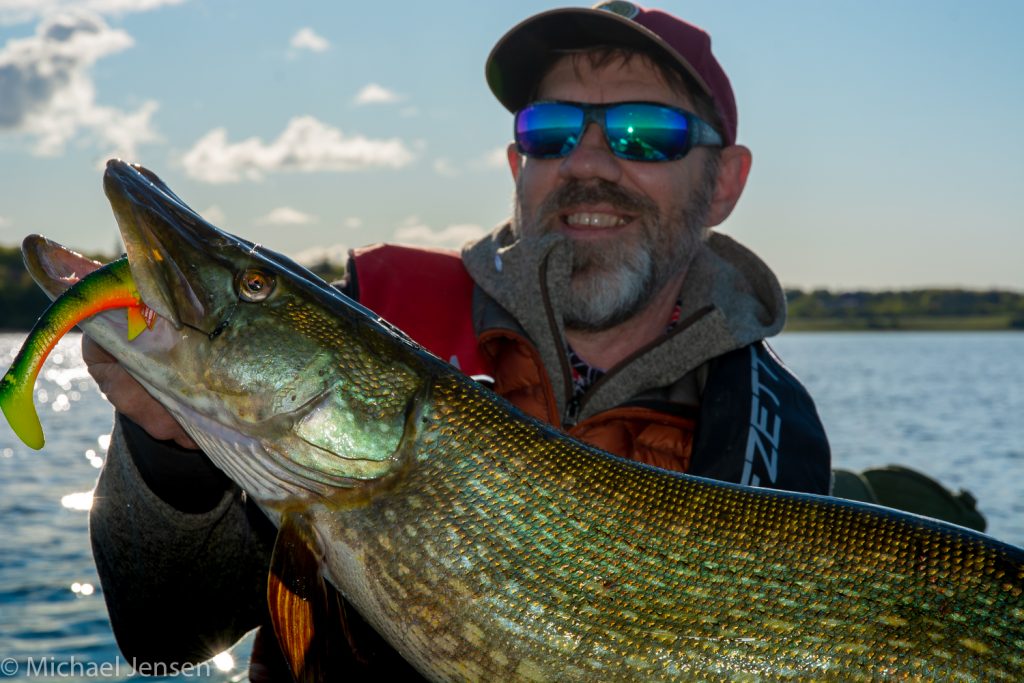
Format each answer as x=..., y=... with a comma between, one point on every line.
x=515, y=160
x=733, y=167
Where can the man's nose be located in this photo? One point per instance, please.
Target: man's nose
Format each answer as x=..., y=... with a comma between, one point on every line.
x=591, y=158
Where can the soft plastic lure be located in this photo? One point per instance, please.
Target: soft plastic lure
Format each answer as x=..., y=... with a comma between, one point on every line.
x=110, y=286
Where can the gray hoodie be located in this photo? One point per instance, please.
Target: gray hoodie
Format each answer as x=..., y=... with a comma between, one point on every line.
x=730, y=299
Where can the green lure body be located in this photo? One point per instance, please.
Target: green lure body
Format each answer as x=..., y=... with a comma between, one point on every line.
x=111, y=286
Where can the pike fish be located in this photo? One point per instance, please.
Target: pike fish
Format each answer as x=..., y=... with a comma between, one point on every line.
x=484, y=545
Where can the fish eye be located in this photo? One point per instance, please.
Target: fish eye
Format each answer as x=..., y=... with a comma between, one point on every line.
x=255, y=285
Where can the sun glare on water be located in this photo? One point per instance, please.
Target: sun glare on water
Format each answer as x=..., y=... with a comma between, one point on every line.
x=224, y=661
x=77, y=501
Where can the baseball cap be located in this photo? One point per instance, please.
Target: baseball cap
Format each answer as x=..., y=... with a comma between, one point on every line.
x=523, y=54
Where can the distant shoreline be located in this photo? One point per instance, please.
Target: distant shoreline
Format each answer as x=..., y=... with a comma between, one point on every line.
x=914, y=324
x=918, y=310
x=912, y=310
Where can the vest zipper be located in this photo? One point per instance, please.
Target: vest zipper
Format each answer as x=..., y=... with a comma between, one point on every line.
x=574, y=407
x=572, y=413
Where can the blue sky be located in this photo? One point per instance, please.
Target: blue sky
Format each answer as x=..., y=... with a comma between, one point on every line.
x=887, y=141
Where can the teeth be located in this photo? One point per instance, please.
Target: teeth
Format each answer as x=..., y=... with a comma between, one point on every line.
x=595, y=220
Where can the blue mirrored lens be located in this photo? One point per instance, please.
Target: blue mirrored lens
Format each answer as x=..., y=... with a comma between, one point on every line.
x=548, y=129
x=646, y=132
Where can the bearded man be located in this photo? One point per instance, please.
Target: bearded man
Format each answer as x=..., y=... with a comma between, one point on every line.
x=607, y=306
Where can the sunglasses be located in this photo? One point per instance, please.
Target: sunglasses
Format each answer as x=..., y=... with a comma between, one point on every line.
x=636, y=131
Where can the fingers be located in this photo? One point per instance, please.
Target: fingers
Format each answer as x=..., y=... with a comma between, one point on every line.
x=129, y=397
x=94, y=353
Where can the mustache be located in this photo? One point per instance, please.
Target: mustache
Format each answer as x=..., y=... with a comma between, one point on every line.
x=594, y=192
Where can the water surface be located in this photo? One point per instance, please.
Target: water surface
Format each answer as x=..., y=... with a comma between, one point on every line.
x=948, y=404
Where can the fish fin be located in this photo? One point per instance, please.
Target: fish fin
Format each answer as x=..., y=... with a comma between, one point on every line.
x=136, y=322
x=17, y=406
x=306, y=611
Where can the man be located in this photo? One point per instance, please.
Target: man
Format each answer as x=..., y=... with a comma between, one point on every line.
x=606, y=306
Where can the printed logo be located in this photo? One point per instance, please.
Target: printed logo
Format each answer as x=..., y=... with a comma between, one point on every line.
x=620, y=7
x=765, y=424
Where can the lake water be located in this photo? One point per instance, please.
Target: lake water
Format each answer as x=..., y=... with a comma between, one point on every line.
x=949, y=404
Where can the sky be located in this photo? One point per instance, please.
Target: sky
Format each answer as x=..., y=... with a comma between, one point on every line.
x=887, y=135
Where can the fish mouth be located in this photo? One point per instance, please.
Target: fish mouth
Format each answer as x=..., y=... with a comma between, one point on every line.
x=53, y=266
x=169, y=246
x=183, y=266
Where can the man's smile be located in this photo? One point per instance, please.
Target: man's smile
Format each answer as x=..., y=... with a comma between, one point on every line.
x=590, y=221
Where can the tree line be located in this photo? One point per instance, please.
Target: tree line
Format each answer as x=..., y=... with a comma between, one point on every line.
x=914, y=309
x=21, y=300
x=21, y=303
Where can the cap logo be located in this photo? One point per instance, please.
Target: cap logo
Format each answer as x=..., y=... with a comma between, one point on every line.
x=620, y=7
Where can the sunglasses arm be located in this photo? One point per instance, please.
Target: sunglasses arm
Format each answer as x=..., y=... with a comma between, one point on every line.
x=704, y=134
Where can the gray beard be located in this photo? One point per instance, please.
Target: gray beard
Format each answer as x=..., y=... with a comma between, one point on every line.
x=610, y=286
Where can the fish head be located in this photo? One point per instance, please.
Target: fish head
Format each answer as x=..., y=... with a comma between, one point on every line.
x=281, y=379
x=163, y=238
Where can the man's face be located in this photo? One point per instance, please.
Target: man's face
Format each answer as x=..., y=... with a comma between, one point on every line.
x=634, y=225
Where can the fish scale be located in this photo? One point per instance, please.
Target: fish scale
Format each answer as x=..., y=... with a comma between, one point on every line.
x=624, y=572
x=484, y=545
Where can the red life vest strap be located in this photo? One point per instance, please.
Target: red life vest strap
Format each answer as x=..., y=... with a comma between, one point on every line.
x=426, y=293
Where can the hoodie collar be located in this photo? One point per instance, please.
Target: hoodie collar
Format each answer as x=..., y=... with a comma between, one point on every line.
x=730, y=298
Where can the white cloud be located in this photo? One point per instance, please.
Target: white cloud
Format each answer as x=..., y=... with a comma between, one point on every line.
x=445, y=168
x=414, y=231
x=307, y=39
x=376, y=94
x=352, y=222
x=496, y=158
x=4, y=221
x=335, y=254
x=286, y=215
x=20, y=11
x=46, y=88
x=215, y=215
x=306, y=145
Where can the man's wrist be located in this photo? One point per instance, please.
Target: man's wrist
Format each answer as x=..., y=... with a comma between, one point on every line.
x=184, y=479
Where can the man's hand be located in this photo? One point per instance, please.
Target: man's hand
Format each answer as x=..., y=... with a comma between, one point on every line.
x=129, y=398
